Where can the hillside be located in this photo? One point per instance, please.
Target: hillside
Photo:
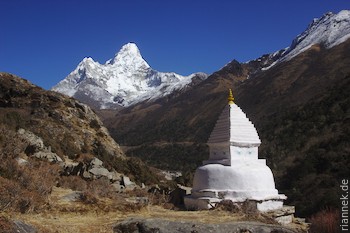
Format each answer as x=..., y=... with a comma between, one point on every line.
x=300, y=108
x=49, y=140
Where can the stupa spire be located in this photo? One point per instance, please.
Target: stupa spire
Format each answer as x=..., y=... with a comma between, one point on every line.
x=230, y=97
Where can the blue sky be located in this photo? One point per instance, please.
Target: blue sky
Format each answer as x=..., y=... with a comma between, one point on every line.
x=43, y=41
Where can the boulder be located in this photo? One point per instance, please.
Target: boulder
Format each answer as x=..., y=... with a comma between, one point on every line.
x=50, y=156
x=37, y=148
x=115, y=176
x=118, y=187
x=35, y=143
x=138, y=225
x=129, y=185
x=95, y=162
x=99, y=172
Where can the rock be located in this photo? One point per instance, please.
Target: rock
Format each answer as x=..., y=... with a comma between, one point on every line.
x=22, y=227
x=127, y=181
x=37, y=148
x=35, y=143
x=115, y=176
x=98, y=172
x=71, y=168
x=284, y=215
x=95, y=162
x=129, y=185
x=50, y=156
x=171, y=175
x=138, y=225
x=138, y=200
x=118, y=187
x=21, y=162
x=73, y=196
x=92, y=170
x=87, y=175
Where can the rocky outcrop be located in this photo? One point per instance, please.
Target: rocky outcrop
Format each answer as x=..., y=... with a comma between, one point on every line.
x=55, y=128
x=91, y=170
x=138, y=225
x=36, y=148
x=53, y=122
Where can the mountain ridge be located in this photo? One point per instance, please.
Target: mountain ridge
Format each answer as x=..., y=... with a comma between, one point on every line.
x=122, y=81
x=329, y=30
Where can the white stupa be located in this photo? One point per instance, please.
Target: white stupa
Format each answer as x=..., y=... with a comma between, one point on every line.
x=234, y=171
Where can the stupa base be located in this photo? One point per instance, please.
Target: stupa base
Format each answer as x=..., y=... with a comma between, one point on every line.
x=205, y=203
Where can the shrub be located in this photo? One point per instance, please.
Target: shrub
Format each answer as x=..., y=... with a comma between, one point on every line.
x=88, y=198
x=85, y=158
x=75, y=183
x=6, y=225
x=325, y=221
x=14, y=120
x=10, y=192
x=100, y=187
x=23, y=188
x=32, y=177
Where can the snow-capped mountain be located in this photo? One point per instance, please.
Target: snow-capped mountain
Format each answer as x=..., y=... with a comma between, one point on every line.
x=328, y=31
x=123, y=80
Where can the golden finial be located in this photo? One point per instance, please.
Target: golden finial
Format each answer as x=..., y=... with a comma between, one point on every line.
x=230, y=97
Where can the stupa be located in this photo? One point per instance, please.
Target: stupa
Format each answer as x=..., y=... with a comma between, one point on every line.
x=234, y=171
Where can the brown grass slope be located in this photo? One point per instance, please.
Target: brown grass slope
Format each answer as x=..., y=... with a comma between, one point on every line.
x=65, y=124
x=69, y=129
x=300, y=108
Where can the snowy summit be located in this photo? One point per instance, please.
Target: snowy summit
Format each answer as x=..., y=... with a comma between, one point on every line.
x=329, y=30
x=123, y=80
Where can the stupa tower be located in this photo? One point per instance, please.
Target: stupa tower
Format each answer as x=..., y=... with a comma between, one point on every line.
x=233, y=170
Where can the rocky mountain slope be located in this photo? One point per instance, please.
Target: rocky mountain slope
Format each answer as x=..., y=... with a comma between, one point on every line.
x=329, y=30
x=123, y=80
x=298, y=103
x=49, y=140
x=54, y=117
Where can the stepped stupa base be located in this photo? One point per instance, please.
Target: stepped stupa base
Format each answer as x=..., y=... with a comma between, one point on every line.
x=273, y=207
x=205, y=203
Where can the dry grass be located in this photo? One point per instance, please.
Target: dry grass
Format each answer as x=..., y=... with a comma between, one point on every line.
x=74, y=217
x=99, y=221
x=67, y=216
x=6, y=226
